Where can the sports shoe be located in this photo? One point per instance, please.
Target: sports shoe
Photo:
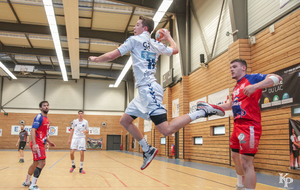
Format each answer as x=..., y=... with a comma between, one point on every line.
x=239, y=188
x=72, y=169
x=26, y=184
x=81, y=171
x=210, y=109
x=148, y=156
x=35, y=187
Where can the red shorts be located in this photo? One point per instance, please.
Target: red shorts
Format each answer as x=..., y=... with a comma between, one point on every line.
x=40, y=154
x=245, y=136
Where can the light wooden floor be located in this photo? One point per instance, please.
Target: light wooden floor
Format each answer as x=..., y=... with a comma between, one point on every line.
x=110, y=170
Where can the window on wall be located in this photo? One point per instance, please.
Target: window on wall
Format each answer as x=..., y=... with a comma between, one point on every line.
x=217, y=130
x=295, y=110
x=163, y=140
x=198, y=140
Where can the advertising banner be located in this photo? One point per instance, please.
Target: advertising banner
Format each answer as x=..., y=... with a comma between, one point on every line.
x=286, y=93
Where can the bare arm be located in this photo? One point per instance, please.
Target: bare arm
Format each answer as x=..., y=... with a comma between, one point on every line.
x=226, y=106
x=70, y=136
x=34, y=147
x=109, y=56
x=168, y=37
x=248, y=90
x=51, y=143
x=18, y=141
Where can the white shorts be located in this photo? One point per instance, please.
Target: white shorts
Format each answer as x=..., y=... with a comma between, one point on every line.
x=148, y=102
x=78, y=143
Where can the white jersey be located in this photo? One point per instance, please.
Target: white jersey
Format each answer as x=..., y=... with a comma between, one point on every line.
x=145, y=52
x=78, y=127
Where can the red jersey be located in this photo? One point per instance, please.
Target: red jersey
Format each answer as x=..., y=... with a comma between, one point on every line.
x=41, y=124
x=244, y=107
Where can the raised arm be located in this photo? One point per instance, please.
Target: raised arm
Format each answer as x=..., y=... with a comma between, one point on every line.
x=269, y=81
x=168, y=37
x=109, y=56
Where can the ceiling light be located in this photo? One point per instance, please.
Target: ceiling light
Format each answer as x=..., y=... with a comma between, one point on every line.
x=157, y=17
x=7, y=71
x=55, y=36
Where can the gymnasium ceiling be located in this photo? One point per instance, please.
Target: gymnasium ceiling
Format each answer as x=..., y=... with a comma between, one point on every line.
x=100, y=25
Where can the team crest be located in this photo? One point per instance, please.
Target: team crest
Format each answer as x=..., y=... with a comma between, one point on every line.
x=241, y=138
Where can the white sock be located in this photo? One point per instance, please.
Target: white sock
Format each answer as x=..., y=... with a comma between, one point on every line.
x=239, y=180
x=34, y=180
x=249, y=189
x=73, y=162
x=21, y=158
x=196, y=114
x=144, y=144
x=81, y=164
x=28, y=179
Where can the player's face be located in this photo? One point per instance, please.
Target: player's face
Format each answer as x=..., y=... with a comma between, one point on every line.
x=138, y=29
x=45, y=108
x=80, y=115
x=22, y=127
x=237, y=70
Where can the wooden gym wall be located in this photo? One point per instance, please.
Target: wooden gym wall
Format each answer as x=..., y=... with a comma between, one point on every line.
x=272, y=52
x=8, y=141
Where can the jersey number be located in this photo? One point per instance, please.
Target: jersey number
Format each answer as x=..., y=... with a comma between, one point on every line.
x=151, y=63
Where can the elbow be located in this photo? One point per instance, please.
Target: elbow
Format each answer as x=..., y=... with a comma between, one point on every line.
x=175, y=51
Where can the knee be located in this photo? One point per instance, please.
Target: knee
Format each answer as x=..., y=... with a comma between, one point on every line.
x=247, y=165
x=166, y=132
x=124, y=122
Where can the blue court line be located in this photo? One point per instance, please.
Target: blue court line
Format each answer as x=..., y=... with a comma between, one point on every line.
x=57, y=161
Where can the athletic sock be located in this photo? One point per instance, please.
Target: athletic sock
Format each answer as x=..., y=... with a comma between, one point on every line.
x=34, y=180
x=196, y=114
x=21, y=158
x=81, y=165
x=144, y=144
x=28, y=179
x=73, y=163
x=249, y=189
x=239, y=180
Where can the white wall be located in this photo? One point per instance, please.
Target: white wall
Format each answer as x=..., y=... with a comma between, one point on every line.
x=262, y=13
x=207, y=13
x=176, y=58
x=99, y=96
x=164, y=66
x=29, y=99
x=64, y=97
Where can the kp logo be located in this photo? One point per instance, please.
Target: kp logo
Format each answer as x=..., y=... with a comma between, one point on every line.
x=285, y=180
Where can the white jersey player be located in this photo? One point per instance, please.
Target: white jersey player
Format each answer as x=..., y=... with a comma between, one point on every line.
x=148, y=104
x=80, y=127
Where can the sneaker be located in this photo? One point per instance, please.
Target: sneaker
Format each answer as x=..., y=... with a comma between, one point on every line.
x=239, y=188
x=22, y=161
x=81, y=171
x=35, y=187
x=26, y=184
x=72, y=169
x=210, y=109
x=148, y=156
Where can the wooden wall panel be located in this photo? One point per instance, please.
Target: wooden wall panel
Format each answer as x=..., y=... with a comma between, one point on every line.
x=8, y=141
x=271, y=53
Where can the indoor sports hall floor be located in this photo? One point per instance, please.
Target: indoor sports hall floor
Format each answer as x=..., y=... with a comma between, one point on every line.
x=114, y=170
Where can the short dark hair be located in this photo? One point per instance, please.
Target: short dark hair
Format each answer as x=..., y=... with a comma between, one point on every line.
x=241, y=61
x=80, y=111
x=44, y=101
x=147, y=21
